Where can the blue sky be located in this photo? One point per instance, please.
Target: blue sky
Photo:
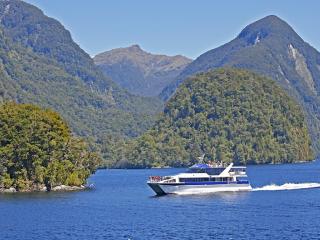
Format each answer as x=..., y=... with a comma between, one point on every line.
x=174, y=26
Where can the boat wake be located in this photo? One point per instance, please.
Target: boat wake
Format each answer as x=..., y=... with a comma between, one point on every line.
x=287, y=186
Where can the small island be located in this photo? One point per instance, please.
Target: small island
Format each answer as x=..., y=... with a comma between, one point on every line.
x=39, y=153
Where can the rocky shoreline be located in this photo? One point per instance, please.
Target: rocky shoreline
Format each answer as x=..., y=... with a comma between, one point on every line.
x=42, y=188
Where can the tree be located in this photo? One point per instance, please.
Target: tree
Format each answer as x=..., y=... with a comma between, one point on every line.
x=37, y=148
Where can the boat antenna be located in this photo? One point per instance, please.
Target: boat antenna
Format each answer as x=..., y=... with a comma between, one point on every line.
x=201, y=158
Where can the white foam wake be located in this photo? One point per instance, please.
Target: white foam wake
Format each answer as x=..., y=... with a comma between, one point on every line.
x=287, y=186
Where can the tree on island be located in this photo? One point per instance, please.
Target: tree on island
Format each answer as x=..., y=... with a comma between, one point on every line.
x=37, y=150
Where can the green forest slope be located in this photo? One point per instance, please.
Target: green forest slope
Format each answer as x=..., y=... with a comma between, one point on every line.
x=229, y=115
x=41, y=64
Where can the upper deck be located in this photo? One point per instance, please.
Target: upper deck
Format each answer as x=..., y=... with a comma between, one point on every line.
x=216, y=171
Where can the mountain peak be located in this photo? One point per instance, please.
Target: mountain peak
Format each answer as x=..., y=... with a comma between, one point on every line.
x=135, y=47
x=272, y=18
x=138, y=71
x=270, y=25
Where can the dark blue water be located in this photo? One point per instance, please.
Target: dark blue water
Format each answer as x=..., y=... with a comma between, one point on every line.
x=123, y=207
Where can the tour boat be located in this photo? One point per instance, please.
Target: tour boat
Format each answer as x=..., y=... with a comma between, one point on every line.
x=202, y=178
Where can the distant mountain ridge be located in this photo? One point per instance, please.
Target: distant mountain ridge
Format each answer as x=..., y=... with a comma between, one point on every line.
x=270, y=47
x=138, y=71
x=41, y=64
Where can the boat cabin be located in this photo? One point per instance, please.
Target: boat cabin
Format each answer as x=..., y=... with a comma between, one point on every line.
x=205, y=168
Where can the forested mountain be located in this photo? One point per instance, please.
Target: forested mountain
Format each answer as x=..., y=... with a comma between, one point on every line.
x=140, y=72
x=216, y=113
x=230, y=115
x=40, y=63
x=272, y=48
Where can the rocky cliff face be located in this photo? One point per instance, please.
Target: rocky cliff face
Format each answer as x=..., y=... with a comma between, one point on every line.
x=138, y=71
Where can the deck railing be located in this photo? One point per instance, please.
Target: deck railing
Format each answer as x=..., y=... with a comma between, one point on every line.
x=165, y=179
x=155, y=179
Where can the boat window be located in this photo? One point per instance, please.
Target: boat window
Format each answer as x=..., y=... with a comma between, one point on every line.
x=212, y=179
x=196, y=170
x=214, y=171
x=216, y=179
x=225, y=179
x=238, y=170
x=242, y=178
x=170, y=180
x=193, y=179
x=209, y=171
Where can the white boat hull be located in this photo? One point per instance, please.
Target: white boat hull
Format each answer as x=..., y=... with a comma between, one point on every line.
x=199, y=189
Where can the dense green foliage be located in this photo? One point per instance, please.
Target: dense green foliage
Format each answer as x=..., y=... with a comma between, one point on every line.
x=41, y=64
x=231, y=116
x=37, y=148
x=272, y=48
